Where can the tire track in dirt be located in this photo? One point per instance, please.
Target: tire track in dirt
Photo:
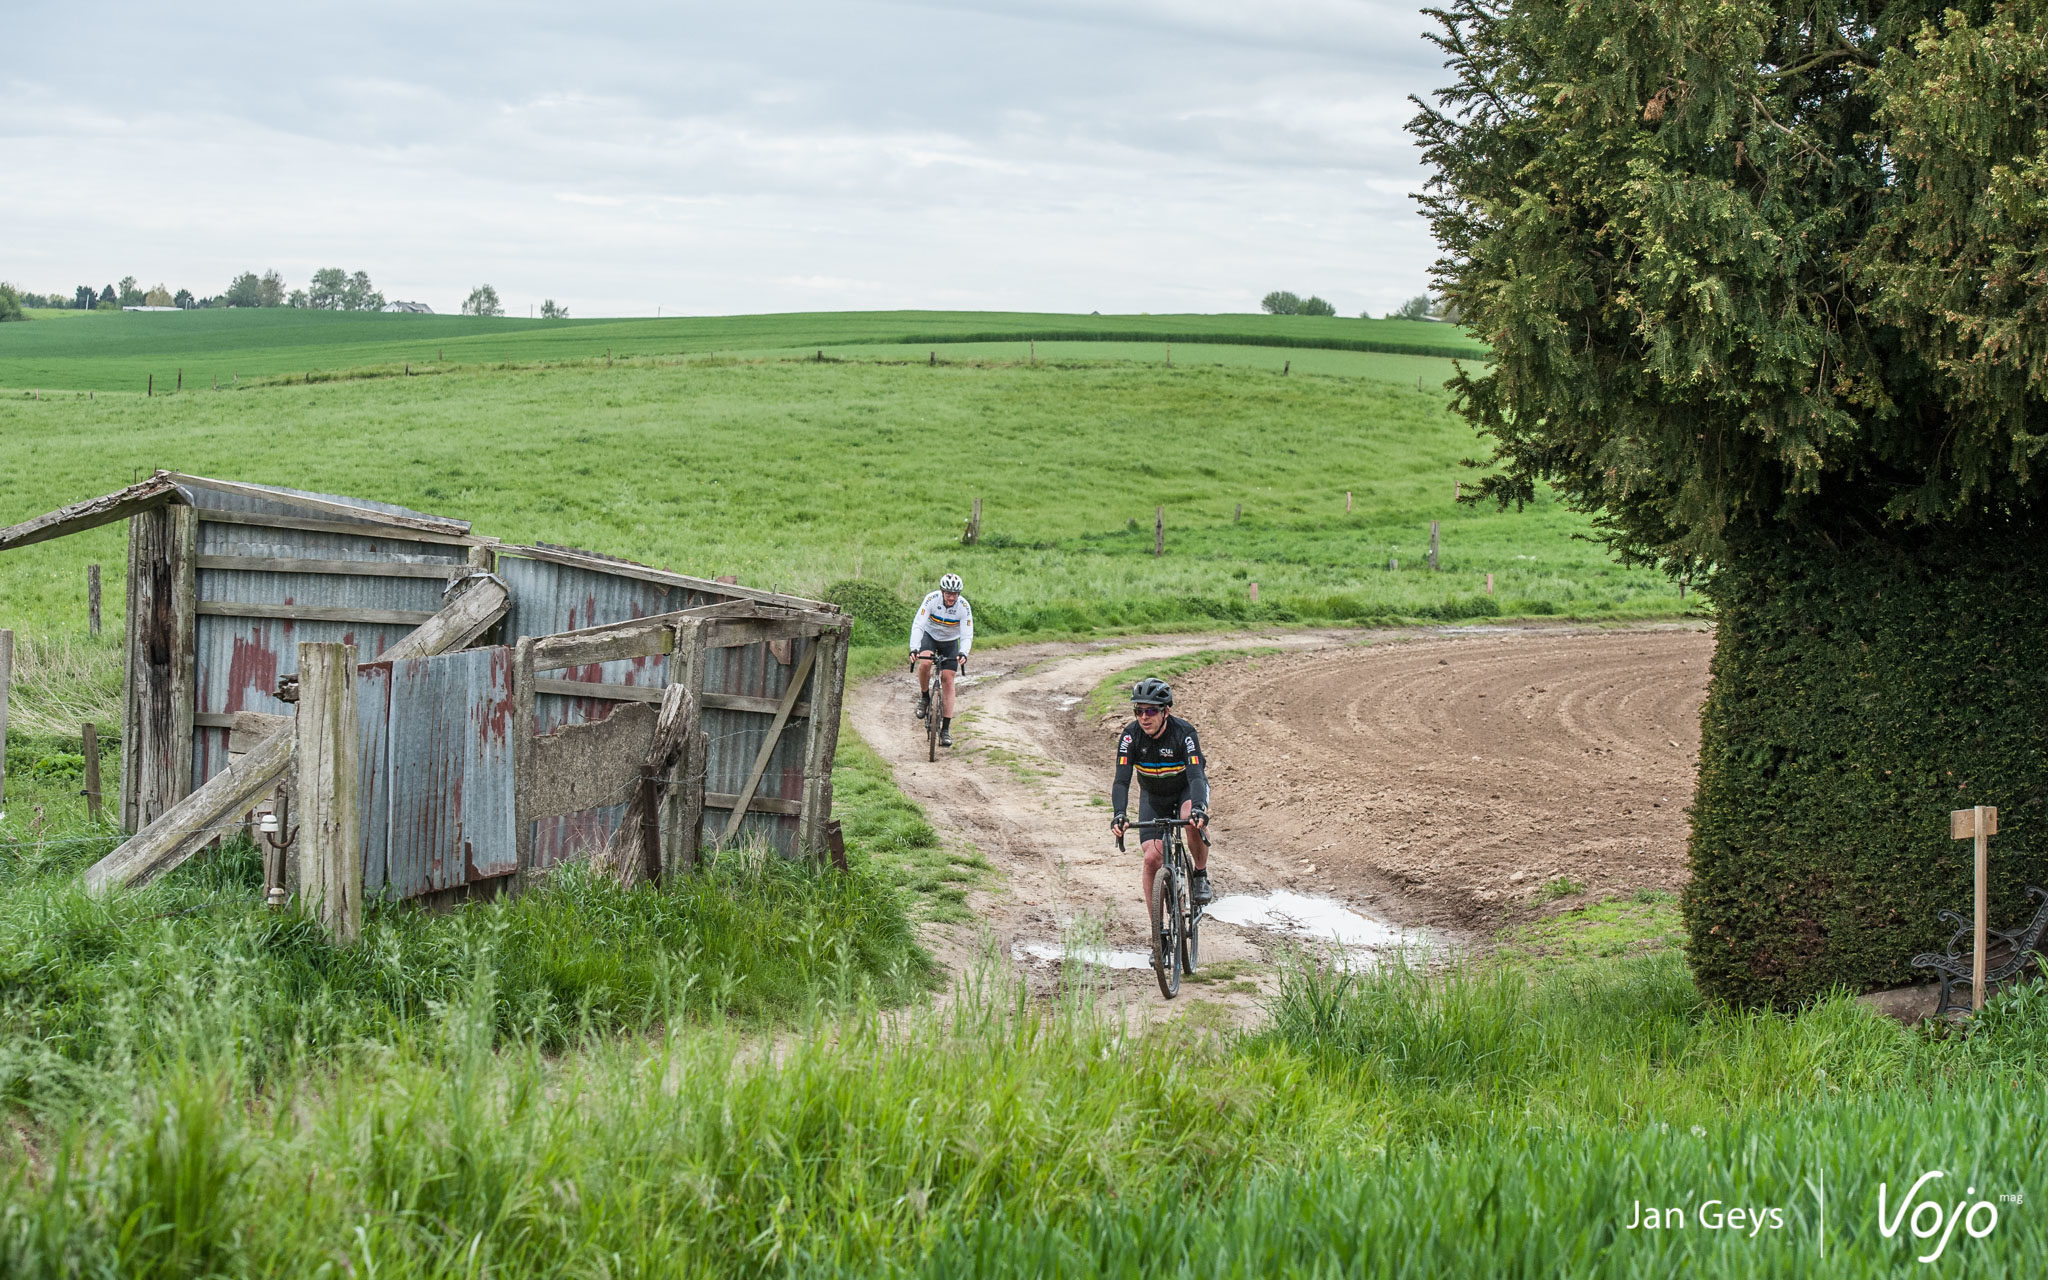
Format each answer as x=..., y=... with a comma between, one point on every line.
x=1426, y=777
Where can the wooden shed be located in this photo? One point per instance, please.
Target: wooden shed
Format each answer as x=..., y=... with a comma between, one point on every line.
x=508, y=694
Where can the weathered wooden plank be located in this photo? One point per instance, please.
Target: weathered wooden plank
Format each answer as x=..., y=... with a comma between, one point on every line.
x=822, y=741
x=157, y=491
x=393, y=519
x=329, y=750
x=731, y=633
x=648, y=693
x=470, y=607
x=796, y=684
x=686, y=668
x=588, y=766
x=314, y=613
x=442, y=570
x=626, y=855
x=639, y=638
x=759, y=804
x=193, y=822
x=211, y=516
x=157, y=699
x=523, y=763
x=646, y=573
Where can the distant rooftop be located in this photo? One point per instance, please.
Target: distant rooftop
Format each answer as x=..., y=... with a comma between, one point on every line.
x=416, y=308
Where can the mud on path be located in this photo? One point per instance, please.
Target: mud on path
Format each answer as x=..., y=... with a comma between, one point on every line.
x=1429, y=778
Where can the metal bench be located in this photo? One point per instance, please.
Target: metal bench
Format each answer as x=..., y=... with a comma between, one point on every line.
x=2008, y=953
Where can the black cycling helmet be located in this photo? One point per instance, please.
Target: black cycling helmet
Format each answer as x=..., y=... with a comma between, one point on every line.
x=1153, y=691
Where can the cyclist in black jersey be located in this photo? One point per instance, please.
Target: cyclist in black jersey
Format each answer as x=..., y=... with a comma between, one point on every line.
x=1165, y=754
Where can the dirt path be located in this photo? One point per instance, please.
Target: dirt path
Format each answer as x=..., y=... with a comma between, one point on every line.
x=1426, y=778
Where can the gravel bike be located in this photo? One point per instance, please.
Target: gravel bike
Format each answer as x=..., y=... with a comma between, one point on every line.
x=938, y=696
x=1176, y=917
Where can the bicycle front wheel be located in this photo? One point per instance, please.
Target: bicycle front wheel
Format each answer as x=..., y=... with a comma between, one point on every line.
x=1166, y=933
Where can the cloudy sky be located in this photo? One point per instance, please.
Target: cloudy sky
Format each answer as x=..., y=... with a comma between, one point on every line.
x=1063, y=155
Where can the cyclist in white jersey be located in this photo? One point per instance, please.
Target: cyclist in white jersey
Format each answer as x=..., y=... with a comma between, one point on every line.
x=941, y=634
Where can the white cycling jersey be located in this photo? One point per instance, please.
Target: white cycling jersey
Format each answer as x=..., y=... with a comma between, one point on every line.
x=944, y=625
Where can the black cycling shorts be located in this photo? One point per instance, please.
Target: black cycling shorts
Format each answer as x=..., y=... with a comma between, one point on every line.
x=1152, y=807
x=947, y=651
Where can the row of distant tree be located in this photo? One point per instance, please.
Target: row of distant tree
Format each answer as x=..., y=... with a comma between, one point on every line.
x=1420, y=307
x=330, y=289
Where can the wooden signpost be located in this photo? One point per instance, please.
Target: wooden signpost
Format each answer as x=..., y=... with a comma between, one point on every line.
x=1982, y=824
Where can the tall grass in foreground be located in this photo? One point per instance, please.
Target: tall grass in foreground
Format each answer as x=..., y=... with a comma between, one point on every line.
x=1481, y=1125
x=100, y=997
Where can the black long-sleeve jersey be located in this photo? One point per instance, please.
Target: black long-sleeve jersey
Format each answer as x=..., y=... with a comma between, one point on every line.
x=1164, y=765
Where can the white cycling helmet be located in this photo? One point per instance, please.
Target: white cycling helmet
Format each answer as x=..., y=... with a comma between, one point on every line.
x=951, y=582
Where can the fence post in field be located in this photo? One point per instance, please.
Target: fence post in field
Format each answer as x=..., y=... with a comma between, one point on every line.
x=1393, y=563
x=973, y=534
x=1489, y=584
x=152, y=386
x=1681, y=588
x=1287, y=368
x=1159, y=531
x=1034, y=351
x=330, y=778
x=1457, y=490
x=6, y=681
x=1255, y=592
x=1238, y=514
x=89, y=739
x=1169, y=355
x=1347, y=500
x=935, y=359
x=1432, y=546
x=92, y=599
x=181, y=379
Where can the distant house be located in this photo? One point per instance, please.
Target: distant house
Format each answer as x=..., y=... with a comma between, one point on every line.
x=411, y=308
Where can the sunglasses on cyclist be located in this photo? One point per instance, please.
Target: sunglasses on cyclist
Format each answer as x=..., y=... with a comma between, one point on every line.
x=1145, y=711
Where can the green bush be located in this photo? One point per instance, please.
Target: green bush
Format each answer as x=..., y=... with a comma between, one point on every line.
x=880, y=616
x=1860, y=692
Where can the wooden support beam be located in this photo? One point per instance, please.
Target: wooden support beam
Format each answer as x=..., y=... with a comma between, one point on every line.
x=193, y=822
x=746, y=793
x=89, y=746
x=821, y=742
x=575, y=559
x=638, y=834
x=314, y=613
x=329, y=750
x=638, y=638
x=731, y=633
x=357, y=528
x=758, y=804
x=157, y=702
x=648, y=693
x=686, y=813
x=441, y=569
x=157, y=491
x=523, y=760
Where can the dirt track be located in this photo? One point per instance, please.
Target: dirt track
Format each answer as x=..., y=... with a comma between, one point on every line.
x=1428, y=778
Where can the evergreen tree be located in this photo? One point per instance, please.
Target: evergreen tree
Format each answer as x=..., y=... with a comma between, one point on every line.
x=1764, y=286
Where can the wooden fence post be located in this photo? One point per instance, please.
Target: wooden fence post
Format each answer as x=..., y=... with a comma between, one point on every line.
x=157, y=701
x=92, y=599
x=1159, y=531
x=1489, y=584
x=329, y=750
x=687, y=665
x=1432, y=546
x=1255, y=592
x=6, y=682
x=152, y=386
x=821, y=740
x=1347, y=500
x=973, y=534
x=1980, y=822
x=1238, y=514
x=89, y=740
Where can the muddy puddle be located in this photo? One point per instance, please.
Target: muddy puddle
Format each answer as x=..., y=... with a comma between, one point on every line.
x=1359, y=941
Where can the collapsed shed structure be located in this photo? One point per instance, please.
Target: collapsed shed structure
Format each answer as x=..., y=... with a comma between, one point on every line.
x=519, y=706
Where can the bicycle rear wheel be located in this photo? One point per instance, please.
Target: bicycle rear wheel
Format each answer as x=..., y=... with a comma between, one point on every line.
x=1191, y=938
x=1165, y=933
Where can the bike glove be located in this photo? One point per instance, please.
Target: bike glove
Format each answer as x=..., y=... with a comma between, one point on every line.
x=1118, y=822
x=1198, y=815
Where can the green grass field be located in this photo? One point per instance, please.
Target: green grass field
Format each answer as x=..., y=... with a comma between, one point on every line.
x=796, y=474
x=120, y=351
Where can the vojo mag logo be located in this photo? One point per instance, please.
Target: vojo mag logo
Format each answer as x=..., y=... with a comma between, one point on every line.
x=1924, y=1214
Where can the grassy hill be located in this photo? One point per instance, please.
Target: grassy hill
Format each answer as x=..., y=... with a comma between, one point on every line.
x=119, y=351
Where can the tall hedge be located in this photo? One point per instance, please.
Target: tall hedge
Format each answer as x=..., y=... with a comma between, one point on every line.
x=1862, y=690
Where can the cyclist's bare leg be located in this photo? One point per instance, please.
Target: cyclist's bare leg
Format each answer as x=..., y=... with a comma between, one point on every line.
x=1198, y=847
x=1155, y=857
x=924, y=675
x=946, y=684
